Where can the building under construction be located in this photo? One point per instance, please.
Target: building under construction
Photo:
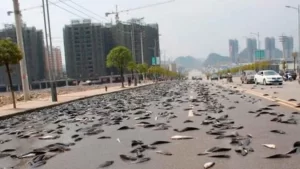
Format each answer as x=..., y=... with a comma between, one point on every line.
x=34, y=52
x=87, y=45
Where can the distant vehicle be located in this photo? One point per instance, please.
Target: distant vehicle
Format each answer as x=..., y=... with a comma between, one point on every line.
x=196, y=78
x=223, y=76
x=248, y=76
x=292, y=73
x=214, y=77
x=266, y=77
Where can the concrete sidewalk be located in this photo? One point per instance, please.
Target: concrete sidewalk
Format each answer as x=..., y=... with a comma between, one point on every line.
x=23, y=107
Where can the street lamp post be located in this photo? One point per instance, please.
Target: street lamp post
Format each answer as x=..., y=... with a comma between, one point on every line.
x=298, y=10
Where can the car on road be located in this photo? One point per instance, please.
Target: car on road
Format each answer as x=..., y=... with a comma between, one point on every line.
x=266, y=77
x=214, y=77
x=248, y=76
x=223, y=76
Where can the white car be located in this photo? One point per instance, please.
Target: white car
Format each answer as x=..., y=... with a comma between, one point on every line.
x=266, y=77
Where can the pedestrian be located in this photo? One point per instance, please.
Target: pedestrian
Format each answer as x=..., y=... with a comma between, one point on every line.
x=106, y=88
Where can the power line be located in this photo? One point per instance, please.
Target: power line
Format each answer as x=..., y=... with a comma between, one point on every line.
x=65, y=9
x=39, y=6
x=79, y=10
x=88, y=10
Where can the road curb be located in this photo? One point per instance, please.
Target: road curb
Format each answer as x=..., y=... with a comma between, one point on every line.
x=66, y=102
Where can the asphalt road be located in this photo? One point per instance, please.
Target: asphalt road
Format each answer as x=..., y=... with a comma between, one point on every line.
x=90, y=152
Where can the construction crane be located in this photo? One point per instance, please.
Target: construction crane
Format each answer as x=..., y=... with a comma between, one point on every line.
x=116, y=13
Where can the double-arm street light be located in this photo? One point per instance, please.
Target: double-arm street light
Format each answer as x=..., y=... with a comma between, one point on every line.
x=298, y=10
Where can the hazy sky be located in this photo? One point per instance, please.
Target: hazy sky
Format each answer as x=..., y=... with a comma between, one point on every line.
x=188, y=27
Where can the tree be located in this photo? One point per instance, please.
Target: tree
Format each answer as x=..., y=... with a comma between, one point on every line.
x=9, y=54
x=142, y=68
x=132, y=67
x=119, y=57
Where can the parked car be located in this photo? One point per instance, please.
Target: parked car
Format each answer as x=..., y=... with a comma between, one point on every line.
x=214, y=77
x=248, y=76
x=266, y=77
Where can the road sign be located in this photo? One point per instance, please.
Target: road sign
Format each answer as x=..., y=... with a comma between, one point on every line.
x=153, y=60
x=260, y=54
x=157, y=60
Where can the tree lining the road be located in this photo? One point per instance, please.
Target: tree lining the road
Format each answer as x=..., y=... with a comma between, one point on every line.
x=10, y=54
x=253, y=66
x=119, y=57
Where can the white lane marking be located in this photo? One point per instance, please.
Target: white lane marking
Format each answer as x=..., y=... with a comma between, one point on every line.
x=191, y=114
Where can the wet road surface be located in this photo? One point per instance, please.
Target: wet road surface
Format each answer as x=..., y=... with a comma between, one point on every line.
x=165, y=105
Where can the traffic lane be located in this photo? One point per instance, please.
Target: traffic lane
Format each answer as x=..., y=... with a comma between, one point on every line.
x=91, y=152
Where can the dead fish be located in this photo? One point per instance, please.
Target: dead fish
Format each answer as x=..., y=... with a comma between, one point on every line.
x=274, y=105
x=272, y=146
x=209, y=165
x=37, y=164
x=31, y=154
x=159, y=142
x=220, y=156
x=186, y=129
x=292, y=100
x=278, y=131
x=49, y=137
x=188, y=121
x=75, y=136
x=125, y=128
x=78, y=139
x=127, y=158
x=231, y=107
x=279, y=156
x=4, y=155
x=106, y=164
x=104, y=137
x=141, y=160
x=294, y=150
x=8, y=150
x=180, y=137
x=164, y=153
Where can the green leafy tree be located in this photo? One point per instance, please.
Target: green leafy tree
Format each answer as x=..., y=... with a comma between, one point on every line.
x=119, y=57
x=142, y=68
x=9, y=54
x=132, y=68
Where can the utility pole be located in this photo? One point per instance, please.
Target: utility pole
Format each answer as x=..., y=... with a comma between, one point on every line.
x=23, y=66
x=142, y=47
x=53, y=82
x=133, y=41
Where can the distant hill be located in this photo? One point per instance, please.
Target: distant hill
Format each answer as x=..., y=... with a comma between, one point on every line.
x=214, y=59
x=188, y=62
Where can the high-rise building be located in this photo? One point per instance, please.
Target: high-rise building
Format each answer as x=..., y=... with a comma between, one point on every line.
x=270, y=47
x=54, y=64
x=251, y=48
x=34, y=52
x=288, y=46
x=87, y=45
x=233, y=50
x=84, y=49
